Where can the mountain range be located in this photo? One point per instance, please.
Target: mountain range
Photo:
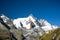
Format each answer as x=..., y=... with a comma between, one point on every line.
x=31, y=22
x=29, y=28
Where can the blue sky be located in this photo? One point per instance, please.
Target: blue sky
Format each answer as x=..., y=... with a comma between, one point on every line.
x=41, y=9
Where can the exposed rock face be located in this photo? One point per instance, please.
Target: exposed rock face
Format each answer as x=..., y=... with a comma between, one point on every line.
x=5, y=35
x=30, y=34
x=7, y=29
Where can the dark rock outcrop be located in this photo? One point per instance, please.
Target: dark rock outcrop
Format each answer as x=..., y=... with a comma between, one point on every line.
x=7, y=30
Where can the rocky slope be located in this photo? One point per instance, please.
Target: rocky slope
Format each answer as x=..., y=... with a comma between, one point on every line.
x=7, y=26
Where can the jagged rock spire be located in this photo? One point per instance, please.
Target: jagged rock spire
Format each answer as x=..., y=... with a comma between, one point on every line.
x=31, y=16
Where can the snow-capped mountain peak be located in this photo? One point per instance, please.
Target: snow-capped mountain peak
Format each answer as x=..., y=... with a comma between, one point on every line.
x=46, y=25
x=44, y=22
x=31, y=22
x=30, y=26
x=31, y=17
x=26, y=22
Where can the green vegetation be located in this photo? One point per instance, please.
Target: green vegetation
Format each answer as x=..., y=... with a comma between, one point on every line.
x=51, y=36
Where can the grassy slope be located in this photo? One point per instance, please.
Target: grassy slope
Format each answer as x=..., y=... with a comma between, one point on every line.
x=50, y=35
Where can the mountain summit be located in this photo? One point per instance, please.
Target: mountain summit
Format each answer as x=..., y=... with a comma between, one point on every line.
x=26, y=22
x=31, y=22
